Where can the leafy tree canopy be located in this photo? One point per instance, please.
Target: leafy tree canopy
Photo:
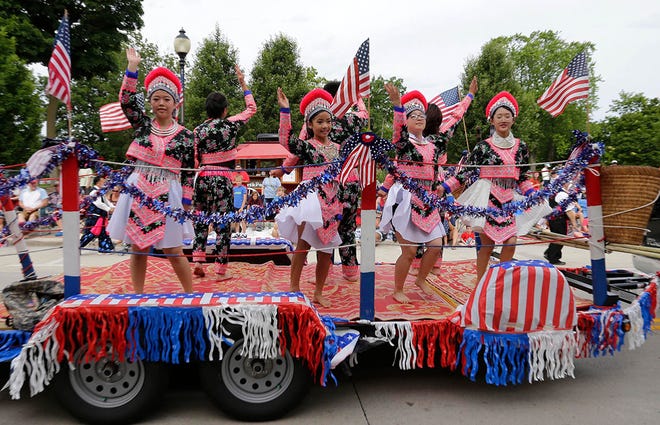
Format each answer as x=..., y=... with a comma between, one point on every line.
x=632, y=136
x=97, y=27
x=21, y=109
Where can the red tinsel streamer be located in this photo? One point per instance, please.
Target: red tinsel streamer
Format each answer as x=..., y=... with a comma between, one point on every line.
x=303, y=334
x=653, y=292
x=99, y=328
x=586, y=323
x=430, y=335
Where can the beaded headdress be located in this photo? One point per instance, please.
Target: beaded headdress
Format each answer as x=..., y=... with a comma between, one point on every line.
x=503, y=99
x=314, y=102
x=163, y=79
x=414, y=101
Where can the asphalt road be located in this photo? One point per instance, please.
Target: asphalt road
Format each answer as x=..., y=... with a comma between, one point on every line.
x=624, y=388
x=620, y=389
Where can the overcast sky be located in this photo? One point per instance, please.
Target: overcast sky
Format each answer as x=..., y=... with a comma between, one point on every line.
x=424, y=42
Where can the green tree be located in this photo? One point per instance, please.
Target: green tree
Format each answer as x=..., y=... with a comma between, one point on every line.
x=278, y=65
x=97, y=27
x=212, y=70
x=632, y=136
x=20, y=109
x=380, y=107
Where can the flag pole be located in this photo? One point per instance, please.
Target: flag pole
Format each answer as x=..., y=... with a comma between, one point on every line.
x=369, y=113
x=588, y=113
x=467, y=143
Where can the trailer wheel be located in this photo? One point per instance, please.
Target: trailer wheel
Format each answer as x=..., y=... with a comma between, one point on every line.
x=252, y=389
x=109, y=391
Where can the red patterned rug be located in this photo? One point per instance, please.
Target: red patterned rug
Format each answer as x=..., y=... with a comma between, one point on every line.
x=453, y=286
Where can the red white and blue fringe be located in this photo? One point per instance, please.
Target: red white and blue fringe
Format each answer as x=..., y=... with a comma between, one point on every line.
x=157, y=332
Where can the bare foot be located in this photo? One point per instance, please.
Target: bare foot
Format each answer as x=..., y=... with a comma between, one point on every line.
x=401, y=297
x=436, y=270
x=425, y=287
x=224, y=276
x=320, y=299
x=294, y=288
x=199, y=270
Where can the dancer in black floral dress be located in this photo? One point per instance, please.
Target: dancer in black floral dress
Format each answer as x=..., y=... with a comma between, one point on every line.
x=215, y=152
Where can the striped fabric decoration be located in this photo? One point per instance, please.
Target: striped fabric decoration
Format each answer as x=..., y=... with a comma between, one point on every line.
x=521, y=297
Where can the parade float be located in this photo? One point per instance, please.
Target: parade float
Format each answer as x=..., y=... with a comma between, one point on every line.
x=258, y=346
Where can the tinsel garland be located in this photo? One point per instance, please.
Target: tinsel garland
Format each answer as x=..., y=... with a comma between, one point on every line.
x=586, y=151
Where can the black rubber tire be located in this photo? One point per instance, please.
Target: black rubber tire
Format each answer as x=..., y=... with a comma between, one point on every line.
x=109, y=391
x=255, y=389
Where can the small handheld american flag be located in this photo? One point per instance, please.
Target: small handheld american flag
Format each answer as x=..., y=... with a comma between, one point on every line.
x=447, y=101
x=59, y=66
x=571, y=85
x=355, y=84
x=113, y=118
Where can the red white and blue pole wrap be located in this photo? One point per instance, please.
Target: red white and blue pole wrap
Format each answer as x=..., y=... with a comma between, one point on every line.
x=71, y=225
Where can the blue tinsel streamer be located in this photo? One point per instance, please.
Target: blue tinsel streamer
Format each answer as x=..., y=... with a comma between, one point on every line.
x=167, y=334
x=505, y=356
x=647, y=315
x=11, y=343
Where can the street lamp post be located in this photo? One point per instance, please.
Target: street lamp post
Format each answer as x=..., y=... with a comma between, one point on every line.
x=182, y=47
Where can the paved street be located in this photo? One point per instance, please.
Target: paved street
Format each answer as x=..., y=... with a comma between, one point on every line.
x=620, y=389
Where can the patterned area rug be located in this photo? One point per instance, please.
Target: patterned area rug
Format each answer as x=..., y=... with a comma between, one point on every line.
x=452, y=287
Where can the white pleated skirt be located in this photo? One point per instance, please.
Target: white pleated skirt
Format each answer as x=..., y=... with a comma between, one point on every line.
x=400, y=218
x=308, y=211
x=477, y=196
x=175, y=232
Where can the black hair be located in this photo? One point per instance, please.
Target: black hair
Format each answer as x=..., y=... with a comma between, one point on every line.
x=433, y=120
x=97, y=179
x=331, y=87
x=216, y=104
x=310, y=132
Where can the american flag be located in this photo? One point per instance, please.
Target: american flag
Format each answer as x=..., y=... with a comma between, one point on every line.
x=355, y=84
x=59, y=66
x=571, y=85
x=447, y=101
x=113, y=118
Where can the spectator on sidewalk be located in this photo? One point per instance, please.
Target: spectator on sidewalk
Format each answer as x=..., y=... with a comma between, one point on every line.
x=31, y=200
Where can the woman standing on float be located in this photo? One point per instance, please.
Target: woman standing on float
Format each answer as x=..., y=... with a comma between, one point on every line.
x=315, y=220
x=215, y=150
x=413, y=222
x=503, y=162
x=160, y=149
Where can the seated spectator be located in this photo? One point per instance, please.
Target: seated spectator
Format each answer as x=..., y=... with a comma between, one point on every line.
x=31, y=200
x=255, y=201
x=55, y=204
x=467, y=237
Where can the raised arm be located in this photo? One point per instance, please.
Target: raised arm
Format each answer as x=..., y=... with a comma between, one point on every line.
x=250, y=104
x=127, y=95
x=450, y=121
x=284, y=131
x=399, y=136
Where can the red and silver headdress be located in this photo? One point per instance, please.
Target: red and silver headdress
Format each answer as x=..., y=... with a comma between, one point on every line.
x=314, y=102
x=414, y=101
x=163, y=79
x=503, y=99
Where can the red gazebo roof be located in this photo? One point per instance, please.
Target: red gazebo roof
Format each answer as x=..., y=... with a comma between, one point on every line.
x=261, y=151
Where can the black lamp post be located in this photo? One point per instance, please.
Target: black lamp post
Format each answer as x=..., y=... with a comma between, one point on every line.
x=182, y=47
